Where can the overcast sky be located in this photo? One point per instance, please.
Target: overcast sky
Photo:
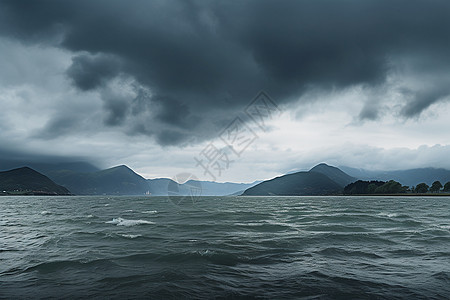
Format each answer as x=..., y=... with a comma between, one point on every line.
x=152, y=84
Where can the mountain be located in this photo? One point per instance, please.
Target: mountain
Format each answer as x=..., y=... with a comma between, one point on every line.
x=410, y=177
x=160, y=187
x=28, y=181
x=334, y=174
x=211, y=188
x=119, y=180
x=297, y=184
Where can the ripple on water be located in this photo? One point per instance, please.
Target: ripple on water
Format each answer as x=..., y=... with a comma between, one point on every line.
x=128, y=223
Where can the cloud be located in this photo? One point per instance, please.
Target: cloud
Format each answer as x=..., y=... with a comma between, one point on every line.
x=57, y=127
x=422, y=99
x=204, y=61
x=92, y=71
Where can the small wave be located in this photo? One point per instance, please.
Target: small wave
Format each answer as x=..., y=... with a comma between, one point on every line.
x=332, y=251
x=127, y=223
x=150, y=212
x=389, y=215
x=130, y=236
x=444, y=276
x=9, y=250
x=45, y=212
x=61, y=265
x=215, y=257
x=445, y=227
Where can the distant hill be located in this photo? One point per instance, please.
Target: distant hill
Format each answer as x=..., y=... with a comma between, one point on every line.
x=410, y=177
x=26, y=180
x=210, y=188
x=334, y=174
x=160, y=187
x=297, y=184
x=119, y=180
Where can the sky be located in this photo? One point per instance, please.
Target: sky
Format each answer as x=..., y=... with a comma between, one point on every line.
x=162, y=86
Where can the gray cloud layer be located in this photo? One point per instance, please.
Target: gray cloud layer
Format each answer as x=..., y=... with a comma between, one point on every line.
x=192, y=65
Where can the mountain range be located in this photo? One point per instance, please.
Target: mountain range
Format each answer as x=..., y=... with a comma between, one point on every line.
x=82, y=178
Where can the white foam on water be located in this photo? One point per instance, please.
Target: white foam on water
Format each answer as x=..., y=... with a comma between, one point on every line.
x=130, y=236
x=205, y=252
x=127, y=223
x=150, y=212
x=389, y=215
x=446, y=227
x=45, y=212
x=89, y=216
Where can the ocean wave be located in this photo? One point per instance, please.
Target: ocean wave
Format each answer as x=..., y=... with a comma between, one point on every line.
x=333, y=251
x=130, y=236
x=127, y=223
x=150, y=212
x=192, y=256
x=61, y=265
x=389, y=215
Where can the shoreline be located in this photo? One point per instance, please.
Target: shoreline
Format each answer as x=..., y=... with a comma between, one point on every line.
x=405, y=195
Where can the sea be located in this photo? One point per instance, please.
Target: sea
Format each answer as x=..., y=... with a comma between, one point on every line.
x=224, y=247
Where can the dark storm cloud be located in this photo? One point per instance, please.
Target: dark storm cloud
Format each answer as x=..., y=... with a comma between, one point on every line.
x=92, y=71
x=15, y=157
x=421, y=100
x=58, y=126
x=116, y=108
x=369, y=112
x=203, y=61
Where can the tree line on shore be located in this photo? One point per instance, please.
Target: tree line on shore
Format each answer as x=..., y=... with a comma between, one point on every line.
x=393, y=187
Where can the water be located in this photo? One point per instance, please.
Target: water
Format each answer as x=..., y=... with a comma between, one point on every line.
x=225, y=247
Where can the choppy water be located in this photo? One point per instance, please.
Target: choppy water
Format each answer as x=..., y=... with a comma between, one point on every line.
x=225, y=247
